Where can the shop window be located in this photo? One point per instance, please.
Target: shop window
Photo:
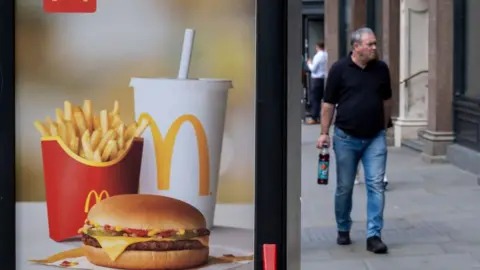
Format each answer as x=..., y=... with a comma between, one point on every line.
x=472, y=54
x=466, y=73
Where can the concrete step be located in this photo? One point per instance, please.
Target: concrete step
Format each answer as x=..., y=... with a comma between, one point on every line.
x=414, y=144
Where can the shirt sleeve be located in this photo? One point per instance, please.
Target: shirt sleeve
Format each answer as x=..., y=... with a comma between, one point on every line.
x=316, y=62
x=334, y=84
x=387, y=89
x=325, y=60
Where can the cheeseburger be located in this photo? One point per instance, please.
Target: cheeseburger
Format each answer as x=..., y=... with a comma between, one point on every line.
x=145, y=232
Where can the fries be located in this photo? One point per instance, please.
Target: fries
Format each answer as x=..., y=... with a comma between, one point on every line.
x=41, y=128
x=101, y=138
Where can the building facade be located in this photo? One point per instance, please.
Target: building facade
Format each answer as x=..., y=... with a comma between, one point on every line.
x=430, y=47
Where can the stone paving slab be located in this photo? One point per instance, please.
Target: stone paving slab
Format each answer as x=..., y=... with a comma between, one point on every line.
x=459, y=247
x=386, y=262
x=432, y=216
x=422, y=232
x=437, y=262
x=348, y=264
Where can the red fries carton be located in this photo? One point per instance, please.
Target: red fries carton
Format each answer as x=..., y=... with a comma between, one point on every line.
x=73, y=184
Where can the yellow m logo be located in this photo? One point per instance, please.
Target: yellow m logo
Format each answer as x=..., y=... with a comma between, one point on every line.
x=164, y=151
x=98, y=197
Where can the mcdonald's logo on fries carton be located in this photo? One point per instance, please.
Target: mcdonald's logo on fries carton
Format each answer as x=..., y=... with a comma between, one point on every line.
x=97, y=197
x=87, y=158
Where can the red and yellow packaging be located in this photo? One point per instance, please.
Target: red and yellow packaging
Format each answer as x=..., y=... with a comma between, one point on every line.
x=73, y=184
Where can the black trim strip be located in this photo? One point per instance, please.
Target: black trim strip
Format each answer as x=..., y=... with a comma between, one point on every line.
x=371, y=15
x=459, y=46
x=270, y=130
x=342, y=28
x=7, y=133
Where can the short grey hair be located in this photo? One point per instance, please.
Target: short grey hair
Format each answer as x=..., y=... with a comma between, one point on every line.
x=356, y=36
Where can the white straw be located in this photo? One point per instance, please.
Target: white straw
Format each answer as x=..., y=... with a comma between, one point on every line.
x=186, y=53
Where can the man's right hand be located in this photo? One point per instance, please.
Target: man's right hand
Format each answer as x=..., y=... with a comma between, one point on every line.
x=324, y=139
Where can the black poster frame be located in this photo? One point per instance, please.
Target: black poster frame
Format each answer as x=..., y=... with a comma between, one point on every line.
x=271, y=130
x=7, y=133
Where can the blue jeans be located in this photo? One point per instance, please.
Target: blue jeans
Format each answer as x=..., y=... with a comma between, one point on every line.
x=373, y=154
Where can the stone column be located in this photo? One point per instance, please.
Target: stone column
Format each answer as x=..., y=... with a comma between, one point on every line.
x=439, y=134
x=331, y=30
x=390, y=51
x=391, y=45
x=413, y=66
x=359, y=14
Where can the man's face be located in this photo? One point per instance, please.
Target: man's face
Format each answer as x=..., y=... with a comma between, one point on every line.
x=367, y=49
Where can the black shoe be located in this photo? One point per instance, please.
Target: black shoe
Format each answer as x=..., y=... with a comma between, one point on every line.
x=375, y=245
x=385, y=184
x=343, y=238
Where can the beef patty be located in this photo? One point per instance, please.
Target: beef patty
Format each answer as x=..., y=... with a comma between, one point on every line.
x=151, y=245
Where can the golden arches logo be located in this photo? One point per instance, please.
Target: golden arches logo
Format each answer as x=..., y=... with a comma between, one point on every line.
x=98, y=197
x=164, y=151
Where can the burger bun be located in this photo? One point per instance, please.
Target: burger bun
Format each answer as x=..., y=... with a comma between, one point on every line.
x=144, y=260
x=144, y=212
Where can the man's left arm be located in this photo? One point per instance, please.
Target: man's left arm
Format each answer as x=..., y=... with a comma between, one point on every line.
x=387, y=97
x=313, y=66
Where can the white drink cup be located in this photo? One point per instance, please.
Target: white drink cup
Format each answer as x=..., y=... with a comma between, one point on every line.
x=183, y=144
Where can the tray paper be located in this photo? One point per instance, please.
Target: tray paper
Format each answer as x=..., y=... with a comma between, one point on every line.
x=221, y=258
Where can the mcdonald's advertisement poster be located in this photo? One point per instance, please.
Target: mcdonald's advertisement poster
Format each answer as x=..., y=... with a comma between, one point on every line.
x=119, y=164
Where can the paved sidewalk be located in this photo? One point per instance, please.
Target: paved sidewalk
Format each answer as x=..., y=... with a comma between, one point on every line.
x=432, y=217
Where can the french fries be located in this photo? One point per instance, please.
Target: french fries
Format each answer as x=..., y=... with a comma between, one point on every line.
x=101, y=138
x=41, y=128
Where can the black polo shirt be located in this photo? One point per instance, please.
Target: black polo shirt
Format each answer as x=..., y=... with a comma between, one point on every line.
x=359, y=95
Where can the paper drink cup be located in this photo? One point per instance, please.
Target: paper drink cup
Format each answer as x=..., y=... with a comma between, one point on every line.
x=183, y=144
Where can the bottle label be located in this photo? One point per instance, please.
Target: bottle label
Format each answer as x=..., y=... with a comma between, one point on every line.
x=323, y=170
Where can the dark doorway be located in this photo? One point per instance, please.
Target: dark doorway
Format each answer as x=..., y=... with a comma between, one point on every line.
x=313, y=27
x=313, y=31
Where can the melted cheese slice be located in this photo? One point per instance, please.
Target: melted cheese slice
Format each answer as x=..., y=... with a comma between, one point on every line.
x=114, y=246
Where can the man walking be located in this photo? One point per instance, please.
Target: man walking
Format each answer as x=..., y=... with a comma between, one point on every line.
x=318, y=69
x=360, y=87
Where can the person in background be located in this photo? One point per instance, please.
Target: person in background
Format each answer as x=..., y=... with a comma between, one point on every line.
x=304, y=71
x=318, y=69
x=361, y=87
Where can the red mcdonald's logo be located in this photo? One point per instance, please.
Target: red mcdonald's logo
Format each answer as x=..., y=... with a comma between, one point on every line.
x=98, y=197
